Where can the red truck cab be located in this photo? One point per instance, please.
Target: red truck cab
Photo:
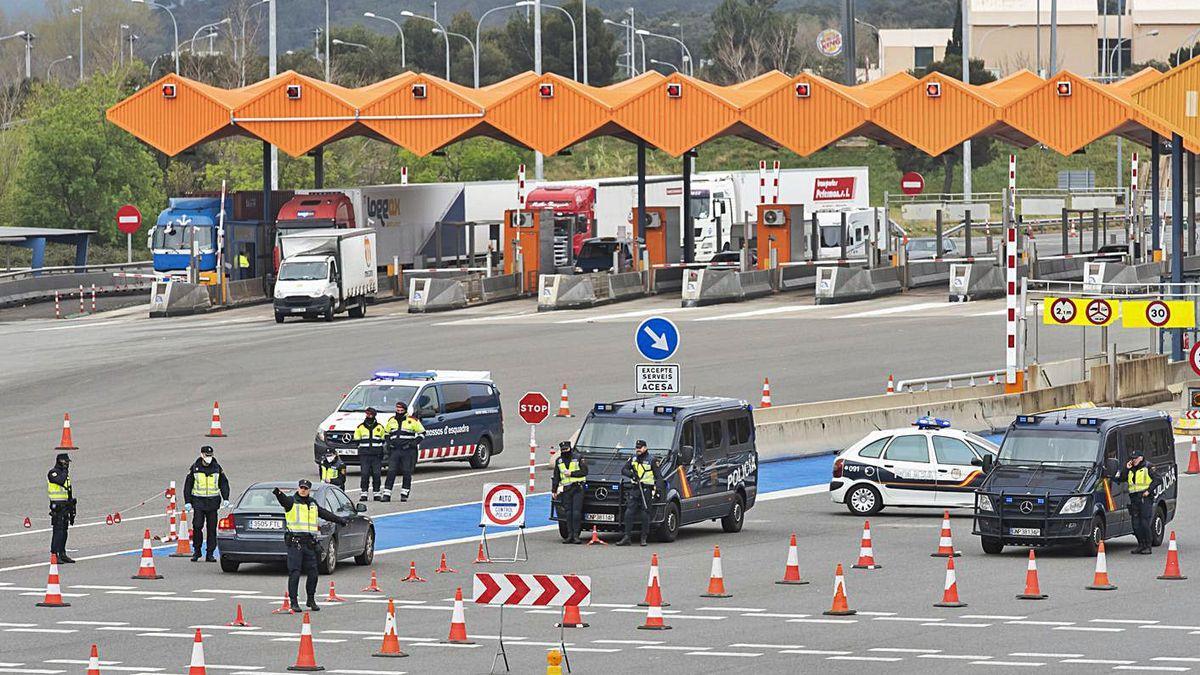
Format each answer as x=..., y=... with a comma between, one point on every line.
x=322, y=210
x=574, y=209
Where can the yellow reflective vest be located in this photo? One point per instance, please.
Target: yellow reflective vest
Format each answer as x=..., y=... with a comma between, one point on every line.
x=565, y=470
x=1139, y=480
x=329, y=473
x=58, y=493
x=644, y=471
x=205, y=484
x=302, y=518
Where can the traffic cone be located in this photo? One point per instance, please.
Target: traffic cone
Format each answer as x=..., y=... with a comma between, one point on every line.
x=443, y=568
x=94, y=662
x=197, y=665
x=391, y=643
x=458, y=622
x=841, y=606
x=372, y=587
x=481, y=557
x=1193, y=460
x=27, y=523
x=1100, y=581
x=716, y=578
x=306, y=657
x=53, y=597
x=945, y=547
x=950, y=592
x=766, y=394
x=596, y=538
x=412, y=573
x=652, y=581
x=891, y=384
x=214, y=429
x=66, y=443
x=146, y=565
x=239, y=621
x=654, y=615
x=791, y=573
x=1171, y=573
x=1032, y=591
x=333, y=596
x=571, y=618
x=866, y=556
x=285, y=608
x=183, y=543
x=564, y=403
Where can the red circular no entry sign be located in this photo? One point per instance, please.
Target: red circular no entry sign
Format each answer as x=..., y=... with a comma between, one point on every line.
x=129, y=219
x=912, y=183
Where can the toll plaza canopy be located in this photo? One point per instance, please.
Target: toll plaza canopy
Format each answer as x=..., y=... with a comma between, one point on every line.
x=805, y=113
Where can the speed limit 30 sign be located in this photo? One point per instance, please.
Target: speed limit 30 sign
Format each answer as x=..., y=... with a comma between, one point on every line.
x=1158, y=313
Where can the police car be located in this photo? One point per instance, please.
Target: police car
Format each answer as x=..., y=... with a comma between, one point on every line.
x=927, y=464
x=459, y=409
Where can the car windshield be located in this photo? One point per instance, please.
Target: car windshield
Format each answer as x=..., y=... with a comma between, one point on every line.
x=381, y=397
x=304, y=271
x=924, y=245
x=607, y=434
x=261, y=499
x=596, y=251
x=831, y=235
x=700, y=207
x=1038, y=446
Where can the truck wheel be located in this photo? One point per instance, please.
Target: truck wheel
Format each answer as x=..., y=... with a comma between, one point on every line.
x=482, y=455
x=992, y=545
x=737, y=516
x=358, y=311
x=1158, y=526
x=328, y=316
x=669, y=530
x=278, y=317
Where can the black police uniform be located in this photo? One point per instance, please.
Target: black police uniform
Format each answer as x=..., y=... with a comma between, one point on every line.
x=302, y=549
x=640, y=502
x=370, y=437
x=404, y=440
x=333, y=471
x=1141, y=505
x=62, y=506
x=570, y=500
x=203, y=480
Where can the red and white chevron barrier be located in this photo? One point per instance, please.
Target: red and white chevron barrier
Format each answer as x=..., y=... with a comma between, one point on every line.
x=538, y=590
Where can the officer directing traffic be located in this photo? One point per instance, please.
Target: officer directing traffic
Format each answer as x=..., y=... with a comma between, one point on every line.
x=62, y=505
x=566, y=486
x=205, y=491
x=302, y=512
x=404, y=434
x=1143, y=482
x=371, y=437
x=646, y=478
x=333, y=469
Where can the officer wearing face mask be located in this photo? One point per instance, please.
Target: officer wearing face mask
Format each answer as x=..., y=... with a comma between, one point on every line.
x=205, y=491
x=333, y=469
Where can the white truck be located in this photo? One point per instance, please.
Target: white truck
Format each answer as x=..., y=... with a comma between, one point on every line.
x=324, y=272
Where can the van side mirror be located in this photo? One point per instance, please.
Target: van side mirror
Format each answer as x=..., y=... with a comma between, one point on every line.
x=687, y=455
x=1111, y=467
x=985, y=462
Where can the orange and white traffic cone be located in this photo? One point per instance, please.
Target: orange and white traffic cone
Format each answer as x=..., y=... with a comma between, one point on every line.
x=1032, y=590
x=1100, y=580
x=214, y=429
x=94, y=662
x=443, y=568
x=1193, y=467
x=841, y=604
x=391, y=643
x=146, y=564
x=53, y=597
x=183, y=543
x=239, y=621
x=564, y=403
x=653, y=580
x=197, y=665
x=596, y=538
x=891, y=384
x=333, y=596
x=458, y=622
x=716, y=579
x=285, y=608
x=412, y=573
x=766, y=394
x=791, y=573
x=654, y=615
x=481, y=557
x=66, y=442
x=866, y=555
x=571, y=618
x=1171, y=573
x=306, y=657
x=945, y=547
x=372, y=587
x=950, y=591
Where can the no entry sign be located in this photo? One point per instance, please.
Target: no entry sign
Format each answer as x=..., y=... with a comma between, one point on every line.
x=533, y=407
x=912, y=183
x=129, y=219
x=1194, y=360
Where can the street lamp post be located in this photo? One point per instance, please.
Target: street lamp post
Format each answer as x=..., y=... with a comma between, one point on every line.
x=687, y=55
x=479, y=24
x=213, y=26
x=574, y=42
x=585, y=65
x=327, y=59
x=1112, y=54
x=399, y=30
x=629, y=53
x=474, y=52
x=878, y=43
x=55, y=62
x=668, y=64
x=79, y=11
x=410, y=15
x=121, y=43
x=28, y=38
x=174, y=24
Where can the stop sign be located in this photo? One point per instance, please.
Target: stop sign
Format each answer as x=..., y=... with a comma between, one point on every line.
x=129, y=219
x=533, y=407
x=912, y=183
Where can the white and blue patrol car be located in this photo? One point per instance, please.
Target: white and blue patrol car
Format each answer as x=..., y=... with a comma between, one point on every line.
x=927, y=464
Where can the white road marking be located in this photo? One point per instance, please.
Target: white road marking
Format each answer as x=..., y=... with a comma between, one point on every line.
x=180, y=599
x=815, y=652
x=997, y=617
x=625, y=315
x=1169, y=669
x=148, y=593
x=1015, y=664
x=18, y=625
x=693, y=617
x=81, y=325
x=952, y=624
x=904, y=650
x=822, y=621
x=296, y=638
x=755, y=645
x=960, y=657
x=103, y=588
x=232, y=629
x=907, y=618
x=31, y=671
x=760, y=312
x=1186, y=659
x=865, y=613
x=627, y=642
x=267, y=633
x=1042, y=623
x=1046, y=655
x=64, y=594
x=887, y=311
x=445, y=644
x=41, y=630
x=675, y=648
x=883, y=659
x=723, y=654
x=131, y=669
x=773, y=615
x=188, y=636
x=609, y=604
x=1100, y=662
x=92, y=623
x=1133, y=621
x=594, y=650
x=1090, y=629
x=367, y=672
x=729, y=609
x=220, y=667
x=224, y=590
x=482, y=319
x=1169, y=627
x=134, y=629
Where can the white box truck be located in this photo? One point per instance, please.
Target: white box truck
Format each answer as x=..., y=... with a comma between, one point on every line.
x=323, y=272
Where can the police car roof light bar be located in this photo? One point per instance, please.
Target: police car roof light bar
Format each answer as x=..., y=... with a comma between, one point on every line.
x=926, y=422
x=404, y=375
x=604, y=407
x=1088, y=422
x=665, y=410
x=1028, y=419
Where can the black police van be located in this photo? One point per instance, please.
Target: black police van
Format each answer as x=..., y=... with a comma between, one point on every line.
x=703, y=446
x=1054, y=481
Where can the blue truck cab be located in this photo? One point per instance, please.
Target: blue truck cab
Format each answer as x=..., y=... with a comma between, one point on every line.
x=188, y=219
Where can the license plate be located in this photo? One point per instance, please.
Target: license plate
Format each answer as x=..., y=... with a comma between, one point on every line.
x=1025, y=531
x=266, y=524
x=602, y=517
x=347, y=452
x=297, y=310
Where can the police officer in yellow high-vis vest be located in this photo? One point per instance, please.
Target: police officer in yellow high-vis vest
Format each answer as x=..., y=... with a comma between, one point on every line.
x=371, y=437
x=646, y=477
x=205, y=492
x=332, y=469
x=404, y=434
x=1143, y=482
x=62, y=505
x=566, y=486
x=300, y=534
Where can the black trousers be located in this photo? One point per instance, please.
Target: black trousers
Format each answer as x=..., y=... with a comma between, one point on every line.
x=638, y=510
x=60, y=522
x=570, y=505
x=1141, y=510
x=302, y=559
x=403, y=462
x=371, y=469
x=204, y=521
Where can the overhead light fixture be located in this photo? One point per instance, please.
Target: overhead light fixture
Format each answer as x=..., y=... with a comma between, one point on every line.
x=546, y=90
x=803, y=90
x=169, y=90
x=1063, y=87
x=674, y=90
x=933, y=89
x=420, y=90
x=293, y=92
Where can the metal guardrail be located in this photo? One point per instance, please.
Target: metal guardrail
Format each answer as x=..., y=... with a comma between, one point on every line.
x=1046, y=287
x=72, y=269
x=968, y=379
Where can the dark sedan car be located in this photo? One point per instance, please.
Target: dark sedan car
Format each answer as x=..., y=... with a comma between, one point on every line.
x=253, y=530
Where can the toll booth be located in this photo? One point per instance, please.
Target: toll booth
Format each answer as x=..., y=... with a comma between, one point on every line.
x=529, y=236
x=779, y=232
x=662, y=235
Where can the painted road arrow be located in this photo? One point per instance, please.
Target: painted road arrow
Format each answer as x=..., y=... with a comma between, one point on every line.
x=556, y=590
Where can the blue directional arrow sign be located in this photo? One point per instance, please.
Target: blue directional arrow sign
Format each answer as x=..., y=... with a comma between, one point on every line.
x=656, y=338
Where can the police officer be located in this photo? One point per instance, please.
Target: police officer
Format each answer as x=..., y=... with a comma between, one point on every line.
x=333, y=469
x=205, y=490
x=62, y=505
x=302, y=512
x=404, y=434
x=646, y=477
x=1143, y=482
x=371, y=438
x=566, y=485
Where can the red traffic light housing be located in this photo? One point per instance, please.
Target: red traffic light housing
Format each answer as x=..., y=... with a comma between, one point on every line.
x=803, y=90
x=674, y=90
x=1063, y=87
x=168, y=91
x=933, y=89
x=293, y=92
x=546, y=90
x=420, y=90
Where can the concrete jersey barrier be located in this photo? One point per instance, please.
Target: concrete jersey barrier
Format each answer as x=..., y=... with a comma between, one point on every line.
x=433, y=294
x=712, y=286
x=847, y=284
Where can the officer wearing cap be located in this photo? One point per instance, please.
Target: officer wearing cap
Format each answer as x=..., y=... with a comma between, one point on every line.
x=404, y=434
x=645, y=474
x=205, y=491
x=300, y=535
x=62, y=505
x=566, y=486
x=371, y=437
x=1143, y=482
x=333, y=469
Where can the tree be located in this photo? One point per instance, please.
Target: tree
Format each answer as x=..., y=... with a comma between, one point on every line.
x=750, y=38
x=516, y=41
x=470, y=160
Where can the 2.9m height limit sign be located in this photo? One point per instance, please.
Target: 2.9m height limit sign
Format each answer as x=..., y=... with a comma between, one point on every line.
x=533, y=408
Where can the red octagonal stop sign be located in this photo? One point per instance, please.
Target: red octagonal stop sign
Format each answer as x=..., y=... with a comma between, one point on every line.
x=533, y=407
x=129, y=219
